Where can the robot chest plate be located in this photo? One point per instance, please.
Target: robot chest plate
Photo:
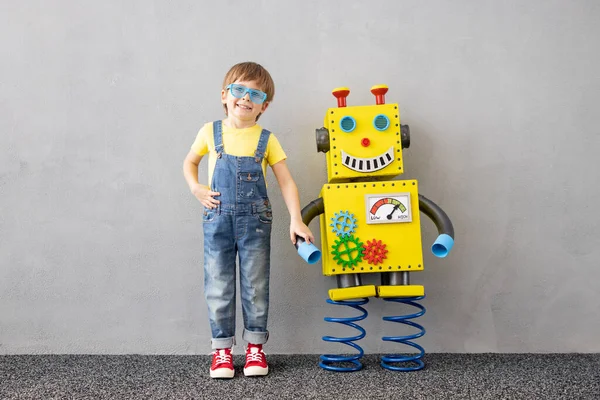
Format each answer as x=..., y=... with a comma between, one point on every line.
x=371, y=227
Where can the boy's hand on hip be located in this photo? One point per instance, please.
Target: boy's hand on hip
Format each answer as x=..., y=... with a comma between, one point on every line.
x=299, y=228
x=206, y=196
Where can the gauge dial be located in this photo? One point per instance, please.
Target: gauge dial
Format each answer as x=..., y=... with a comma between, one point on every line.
x=388, y=208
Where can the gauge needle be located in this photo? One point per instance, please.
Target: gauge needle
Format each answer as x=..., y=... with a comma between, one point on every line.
x=393, y=209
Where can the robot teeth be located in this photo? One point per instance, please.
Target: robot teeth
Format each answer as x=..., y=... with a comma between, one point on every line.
x=368, y=164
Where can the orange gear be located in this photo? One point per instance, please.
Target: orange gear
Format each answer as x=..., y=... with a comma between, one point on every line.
x=374, y=252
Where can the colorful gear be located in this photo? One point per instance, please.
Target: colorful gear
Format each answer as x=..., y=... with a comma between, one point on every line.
x=344, y=256
x=374, y=252
x=343, y=223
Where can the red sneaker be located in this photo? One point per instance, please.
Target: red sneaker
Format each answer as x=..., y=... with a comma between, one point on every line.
x=222, y=364
x=256, y=361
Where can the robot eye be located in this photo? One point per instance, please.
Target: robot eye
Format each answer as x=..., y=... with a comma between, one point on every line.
x=347, y=124
x=381, y=122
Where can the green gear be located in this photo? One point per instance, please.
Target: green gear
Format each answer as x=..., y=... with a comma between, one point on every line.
x=344, y=256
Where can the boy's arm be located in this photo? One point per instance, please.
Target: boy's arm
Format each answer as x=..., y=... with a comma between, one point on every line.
x=202, y=192
x=290, y=196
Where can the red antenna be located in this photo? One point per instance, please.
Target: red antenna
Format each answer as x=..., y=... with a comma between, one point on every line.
x=340, y=94
x=379, y=91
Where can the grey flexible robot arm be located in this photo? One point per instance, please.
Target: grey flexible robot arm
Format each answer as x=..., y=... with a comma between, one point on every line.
x=444, y=242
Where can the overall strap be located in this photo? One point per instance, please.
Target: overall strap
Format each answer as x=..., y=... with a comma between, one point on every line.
x=218, y=137
x=262, y=146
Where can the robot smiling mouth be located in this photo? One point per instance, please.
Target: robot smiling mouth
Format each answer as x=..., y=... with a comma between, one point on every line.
x=368, y=164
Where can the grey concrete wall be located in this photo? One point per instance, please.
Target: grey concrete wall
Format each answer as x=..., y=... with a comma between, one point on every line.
x=100, y=239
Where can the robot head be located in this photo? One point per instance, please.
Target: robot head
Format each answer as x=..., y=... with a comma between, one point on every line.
x=363, y=142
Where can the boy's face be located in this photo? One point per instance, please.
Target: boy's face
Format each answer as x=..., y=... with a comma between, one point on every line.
x=243, y=109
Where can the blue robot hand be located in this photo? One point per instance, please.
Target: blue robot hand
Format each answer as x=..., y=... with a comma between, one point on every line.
x=442, y=245
x=308, y=251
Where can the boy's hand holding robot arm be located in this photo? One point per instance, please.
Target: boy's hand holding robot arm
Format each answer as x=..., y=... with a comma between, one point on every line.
x=289, y=191
x=308, y=251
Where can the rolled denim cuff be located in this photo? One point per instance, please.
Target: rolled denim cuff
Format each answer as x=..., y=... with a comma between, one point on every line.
x=222, y=343
x=255, y=337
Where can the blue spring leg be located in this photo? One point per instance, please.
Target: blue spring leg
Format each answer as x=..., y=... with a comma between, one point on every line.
x=328, y=359
x=412, y=361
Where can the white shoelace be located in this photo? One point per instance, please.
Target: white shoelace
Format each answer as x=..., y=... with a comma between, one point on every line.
x=254, y=355
x=222, y=357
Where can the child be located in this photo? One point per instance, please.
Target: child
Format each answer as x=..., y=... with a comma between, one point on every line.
x=237, y=214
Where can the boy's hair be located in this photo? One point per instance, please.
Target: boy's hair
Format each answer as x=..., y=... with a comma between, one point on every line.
x=251, y=71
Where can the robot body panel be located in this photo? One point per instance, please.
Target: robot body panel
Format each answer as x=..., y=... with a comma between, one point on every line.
x=383, y=218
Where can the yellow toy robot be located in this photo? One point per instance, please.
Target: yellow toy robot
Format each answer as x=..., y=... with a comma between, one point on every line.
x=371, y=223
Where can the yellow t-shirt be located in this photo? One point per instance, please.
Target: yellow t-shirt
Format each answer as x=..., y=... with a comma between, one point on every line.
x=236, y=142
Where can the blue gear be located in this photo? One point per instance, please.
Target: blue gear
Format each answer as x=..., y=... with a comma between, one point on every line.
x=344, y=223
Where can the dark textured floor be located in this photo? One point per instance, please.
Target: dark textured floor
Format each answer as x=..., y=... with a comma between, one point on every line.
x=446, y=376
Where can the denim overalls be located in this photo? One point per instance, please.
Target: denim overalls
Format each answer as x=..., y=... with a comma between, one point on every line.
x=240, y=224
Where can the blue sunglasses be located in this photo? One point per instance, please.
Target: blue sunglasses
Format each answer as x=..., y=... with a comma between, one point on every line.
x=239, y=91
